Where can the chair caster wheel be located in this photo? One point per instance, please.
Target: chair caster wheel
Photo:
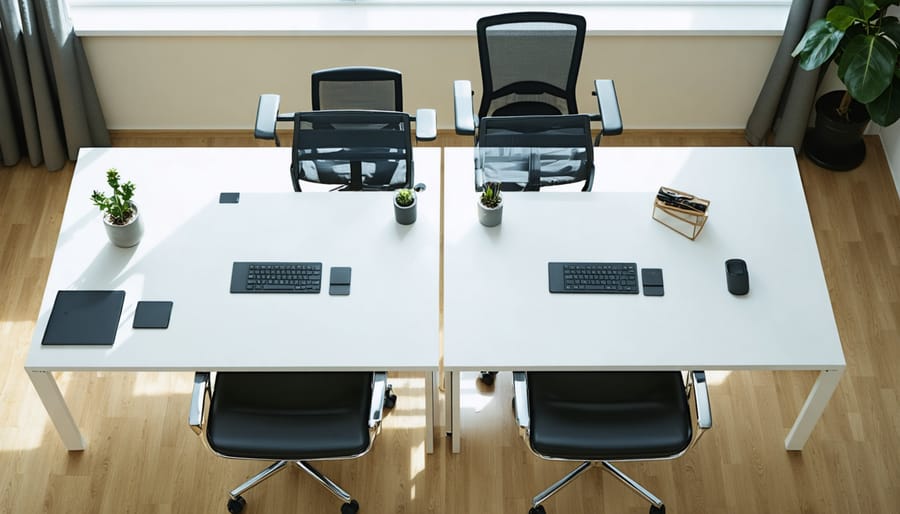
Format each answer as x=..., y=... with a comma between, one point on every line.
x=657, y=510
x=236, y=504
x=351, y=507
x=537, y=510
x=488, y=377
x=390, y=399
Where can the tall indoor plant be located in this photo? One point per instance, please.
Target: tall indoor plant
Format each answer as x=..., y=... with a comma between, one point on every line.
x=862, y=40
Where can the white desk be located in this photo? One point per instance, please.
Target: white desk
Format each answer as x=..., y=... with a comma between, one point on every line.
x=499, y=315
x=388, y=322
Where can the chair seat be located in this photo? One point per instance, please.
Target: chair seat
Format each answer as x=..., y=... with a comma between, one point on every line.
x=290, y=416
x=608, y=415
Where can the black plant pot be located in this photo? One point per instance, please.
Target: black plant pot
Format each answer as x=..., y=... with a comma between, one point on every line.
x=405, y=215
x=835, y=142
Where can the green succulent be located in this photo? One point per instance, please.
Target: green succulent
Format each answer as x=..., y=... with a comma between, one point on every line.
x=404, y=197
x=116, y=206
x=863, y=41
x=490, y=195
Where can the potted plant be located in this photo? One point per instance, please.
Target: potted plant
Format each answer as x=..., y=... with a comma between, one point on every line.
x=863, y=41
x=490, y=205
x=120, y=215
x=405, y=206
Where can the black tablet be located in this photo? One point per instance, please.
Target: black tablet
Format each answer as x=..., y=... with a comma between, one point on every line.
x=84, y=318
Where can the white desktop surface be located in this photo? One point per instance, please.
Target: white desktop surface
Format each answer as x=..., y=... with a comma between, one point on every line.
x=500, y=315
x=388, y=322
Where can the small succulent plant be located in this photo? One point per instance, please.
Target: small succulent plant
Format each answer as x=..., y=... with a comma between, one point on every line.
x=404, y=197
x=490, y=196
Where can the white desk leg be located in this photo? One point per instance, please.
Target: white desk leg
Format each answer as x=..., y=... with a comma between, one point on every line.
x=813, y=408
x=429, y=412
x=56, y=407
x=454, y=412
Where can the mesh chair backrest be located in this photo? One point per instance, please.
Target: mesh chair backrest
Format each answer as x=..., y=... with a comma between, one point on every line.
x=362, y=150
x=530, y=152
x=530, y=57
x=357, y=88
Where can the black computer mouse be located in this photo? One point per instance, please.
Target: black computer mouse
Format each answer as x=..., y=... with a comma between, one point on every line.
x=737, y=276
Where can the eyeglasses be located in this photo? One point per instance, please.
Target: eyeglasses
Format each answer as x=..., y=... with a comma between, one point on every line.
x=679, y=200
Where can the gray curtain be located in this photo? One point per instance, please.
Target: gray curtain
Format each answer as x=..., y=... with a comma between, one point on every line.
x=788, y=94
x=48, y=104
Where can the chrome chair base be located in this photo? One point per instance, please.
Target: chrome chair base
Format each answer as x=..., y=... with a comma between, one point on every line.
x=657, y=504
x=236, y=501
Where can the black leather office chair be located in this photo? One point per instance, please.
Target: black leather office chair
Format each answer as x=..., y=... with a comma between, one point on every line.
x=601, y=417
x=355, y=88
x=272, y=416
x=529, y=66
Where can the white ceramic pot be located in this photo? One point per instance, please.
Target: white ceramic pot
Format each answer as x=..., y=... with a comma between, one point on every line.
x=127, y=235
x=489, y=217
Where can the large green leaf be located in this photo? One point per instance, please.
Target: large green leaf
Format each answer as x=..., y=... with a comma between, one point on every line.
x=842, y=16
x=867, y=67
x=863, y=8
x=817, y=45
x=885, y=109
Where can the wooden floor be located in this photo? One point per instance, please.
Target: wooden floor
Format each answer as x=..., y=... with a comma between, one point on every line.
x=142, y=458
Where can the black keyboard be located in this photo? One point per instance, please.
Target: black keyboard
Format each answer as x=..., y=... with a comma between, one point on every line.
x=276, y=277
x=593, y=277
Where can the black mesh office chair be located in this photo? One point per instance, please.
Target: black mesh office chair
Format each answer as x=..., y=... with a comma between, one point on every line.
x=529, y=66
x=354, y=150
x=351, y=88
x=601, y=417
x=355, y=87
x=272, y=416
x=526, y=153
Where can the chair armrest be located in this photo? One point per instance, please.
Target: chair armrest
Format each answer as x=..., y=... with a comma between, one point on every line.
x=520, y=390
x=463, y=112
x=198, y=401
x=266, y=115
x=376, y=409
x=605, y=91
x=426, y=124
x=701, y=398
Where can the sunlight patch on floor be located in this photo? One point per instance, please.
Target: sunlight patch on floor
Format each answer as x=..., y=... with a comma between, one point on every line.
x=416, y=465
x=162, y=383
x=472, y=398
x=717, y=377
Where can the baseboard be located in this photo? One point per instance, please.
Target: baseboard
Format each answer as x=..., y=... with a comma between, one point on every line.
x=446, y=137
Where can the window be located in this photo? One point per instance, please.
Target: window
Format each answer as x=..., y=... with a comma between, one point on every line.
x=416, y=17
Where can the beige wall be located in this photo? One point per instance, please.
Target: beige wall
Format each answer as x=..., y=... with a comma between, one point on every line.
x=213, y=82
